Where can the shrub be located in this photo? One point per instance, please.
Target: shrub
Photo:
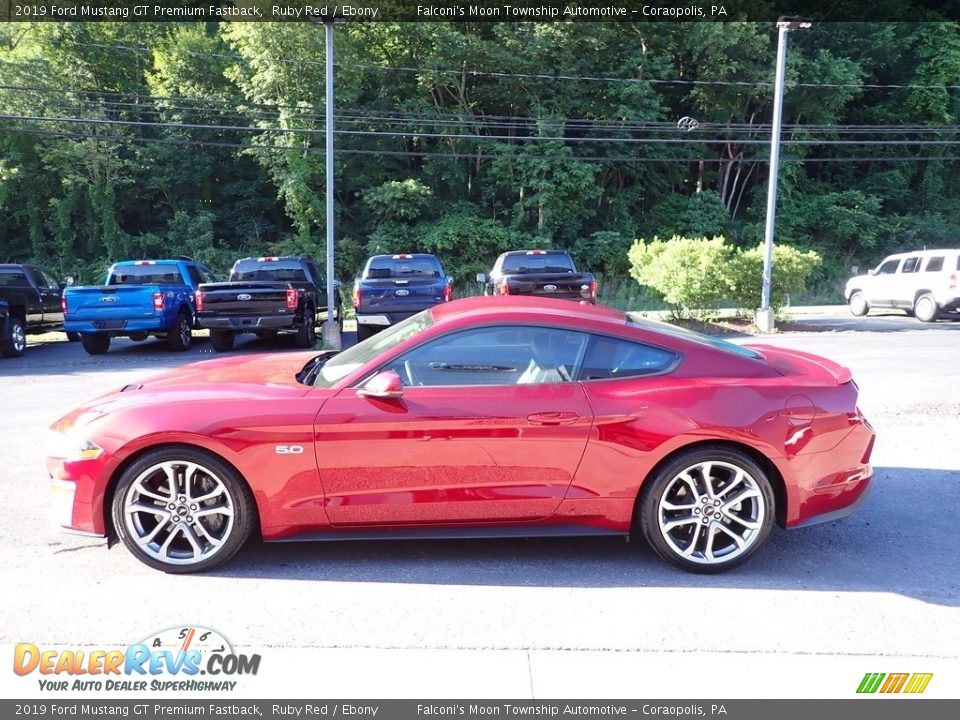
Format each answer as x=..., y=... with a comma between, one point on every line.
x=791, y=268
x=687, y=272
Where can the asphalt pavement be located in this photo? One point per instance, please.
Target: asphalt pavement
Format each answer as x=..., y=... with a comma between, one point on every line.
x=571, y=615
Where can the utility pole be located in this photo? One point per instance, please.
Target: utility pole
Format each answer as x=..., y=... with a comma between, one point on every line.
x=764, y=316
x=331, y=327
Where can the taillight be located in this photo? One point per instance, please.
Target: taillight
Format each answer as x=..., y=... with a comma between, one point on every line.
x=504, y=288
x=199, y=301
x=159, y=300
x=63, y=304
x=447, y=293
x=593, y=289
x=291, y=298
x=357, y=297
x=953, y=281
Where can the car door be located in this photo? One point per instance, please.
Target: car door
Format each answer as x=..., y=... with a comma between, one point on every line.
x=50, y=294
x=489, y=428
x=880, y=291
x=904, y=290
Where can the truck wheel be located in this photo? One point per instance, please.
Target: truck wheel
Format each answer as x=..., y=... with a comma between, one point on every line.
x=138, y=336
x=926, y=309
x=95, y=343
x=858, y=304
x=363, y=332
x=222, y=340
x=180, y=335
x=14, y=344
x=307, y=333
x=73, y=336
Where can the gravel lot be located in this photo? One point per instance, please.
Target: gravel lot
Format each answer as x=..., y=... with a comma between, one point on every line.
x=885, y=582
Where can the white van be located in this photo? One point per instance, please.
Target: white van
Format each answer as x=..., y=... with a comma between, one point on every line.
x=924, y=283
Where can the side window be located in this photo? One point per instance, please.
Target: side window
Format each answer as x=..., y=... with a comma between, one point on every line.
x=50, y=280
x=13, y=278
x=505, y=355
x=196, y=275
x=934, y=264
x=910, y=265
x=39, y=279
x=613, y=358
x=889, y=267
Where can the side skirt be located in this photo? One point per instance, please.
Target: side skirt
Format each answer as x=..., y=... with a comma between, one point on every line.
x=453, y=533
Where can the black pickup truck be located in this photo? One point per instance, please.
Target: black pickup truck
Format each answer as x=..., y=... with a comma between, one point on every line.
x=266, y=296
x=547, y=273
x=34, y=305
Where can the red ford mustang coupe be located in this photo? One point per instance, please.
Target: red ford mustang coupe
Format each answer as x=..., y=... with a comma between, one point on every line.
x=489, y=417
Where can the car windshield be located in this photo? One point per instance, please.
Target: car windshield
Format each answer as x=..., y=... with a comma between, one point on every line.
x=342, y=364
x=694, y=336
x=276, y=270
x=551, y=262
x=155, y=274
x=400, y=267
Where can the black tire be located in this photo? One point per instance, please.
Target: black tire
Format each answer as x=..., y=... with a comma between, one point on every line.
x=138, y=336
x=15, y=342
x=213, y=473
x=73, y=337
x=363, y=332
x=858, y=304
x=95, y=343
x=181, y=334
x=267, y=334
x=307, y=332
x=697, y=516
x=925, y=308
x=222, y=340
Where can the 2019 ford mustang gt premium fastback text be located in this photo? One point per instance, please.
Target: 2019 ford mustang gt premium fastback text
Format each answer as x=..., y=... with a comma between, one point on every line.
x=482, y=417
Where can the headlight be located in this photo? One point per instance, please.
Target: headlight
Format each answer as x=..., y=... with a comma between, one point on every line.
x=71, y=446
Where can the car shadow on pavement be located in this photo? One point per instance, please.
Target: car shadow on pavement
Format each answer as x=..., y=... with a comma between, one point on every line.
x=902, y=540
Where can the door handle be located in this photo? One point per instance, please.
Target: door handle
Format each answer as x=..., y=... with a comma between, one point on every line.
x=552, y=418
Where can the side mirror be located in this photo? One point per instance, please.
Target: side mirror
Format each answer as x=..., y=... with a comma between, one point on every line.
x=385, y=384
x=871, y=271
x=68, y=281
x=481, y=278
x=450, y=280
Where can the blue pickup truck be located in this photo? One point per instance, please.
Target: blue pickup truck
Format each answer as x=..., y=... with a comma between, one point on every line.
x=394, y=287
x=139, y=298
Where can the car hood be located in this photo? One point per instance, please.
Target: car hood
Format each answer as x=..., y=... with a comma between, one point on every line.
x=239, y=377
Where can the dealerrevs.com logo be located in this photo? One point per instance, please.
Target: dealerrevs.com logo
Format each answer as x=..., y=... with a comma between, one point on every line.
x=173, y=659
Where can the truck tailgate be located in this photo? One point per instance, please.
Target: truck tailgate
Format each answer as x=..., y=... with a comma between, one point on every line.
x=560, y=285
x=109, y=306
x=246, y=299
x=401, y=294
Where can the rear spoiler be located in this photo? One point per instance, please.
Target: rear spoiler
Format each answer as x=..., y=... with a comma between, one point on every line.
x=787, y=361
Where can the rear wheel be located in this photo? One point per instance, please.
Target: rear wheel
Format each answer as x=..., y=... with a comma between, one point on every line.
x=95, y=343
x=307, y=333
x=858, y=304
x=363, y=332
x=708, y=510
x=182, y=510
x=925, y=308
x=15, y=343
x=222, y=340
x=181, y=334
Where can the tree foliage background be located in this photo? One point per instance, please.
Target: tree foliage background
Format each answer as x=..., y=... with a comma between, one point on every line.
x=123, y=140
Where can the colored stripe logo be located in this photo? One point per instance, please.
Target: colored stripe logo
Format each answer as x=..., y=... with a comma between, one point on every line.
x=913, y=683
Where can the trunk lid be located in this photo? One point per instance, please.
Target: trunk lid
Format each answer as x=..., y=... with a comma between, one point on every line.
x=789, y=362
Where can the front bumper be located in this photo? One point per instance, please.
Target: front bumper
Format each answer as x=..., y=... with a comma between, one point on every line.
x=77, y=494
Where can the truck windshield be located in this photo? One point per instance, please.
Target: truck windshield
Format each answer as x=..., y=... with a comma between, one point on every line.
x=388, y=267
x=339, y=366
x=157, y=274
x=551, y=262
x=276, y=270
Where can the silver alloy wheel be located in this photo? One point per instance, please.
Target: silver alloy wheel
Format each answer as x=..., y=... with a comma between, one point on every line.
x=179, y=513
x=711, y=512
x=925, y=309
x=858, y=305
x=185, y=332
x=18, y=338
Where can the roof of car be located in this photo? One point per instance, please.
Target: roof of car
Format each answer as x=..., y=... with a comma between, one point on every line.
x=940, y=251
x=503, y=306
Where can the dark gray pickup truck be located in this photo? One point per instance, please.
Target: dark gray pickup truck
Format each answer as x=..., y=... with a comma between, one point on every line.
x=34, y=301
x=265, y=296
x=547, y=273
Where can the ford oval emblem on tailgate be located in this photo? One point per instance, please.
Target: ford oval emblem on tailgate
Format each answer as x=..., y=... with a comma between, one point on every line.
x=108, y=298
x=549, y=288
x=243, y=296
x=402, y=293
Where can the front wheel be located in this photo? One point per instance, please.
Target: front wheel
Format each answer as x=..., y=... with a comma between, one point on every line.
x=15, y=343
x=181, y=334
x=926, y=309
x=95, y=343
x=858, y=304
x=182, y=510
x=708, y=510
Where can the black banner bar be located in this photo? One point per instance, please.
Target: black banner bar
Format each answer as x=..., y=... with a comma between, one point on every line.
x=477, y=10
